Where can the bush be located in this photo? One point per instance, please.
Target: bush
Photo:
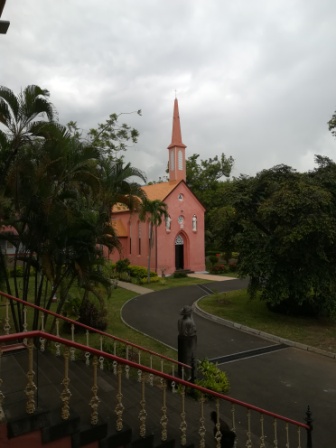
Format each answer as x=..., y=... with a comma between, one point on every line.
x=90, y=314
x=124, y=276
x=213, y=259
x=179, y=275
x=122, y=265
x=144, y=280
x=85, y=312
x=233, y=265
x=139, y=271
x=290, y=307
x=18, y=272
x=212, y=252
x=218, y=269
x=212, y=377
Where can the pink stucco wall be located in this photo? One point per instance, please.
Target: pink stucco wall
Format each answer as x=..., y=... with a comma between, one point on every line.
x=181, y=203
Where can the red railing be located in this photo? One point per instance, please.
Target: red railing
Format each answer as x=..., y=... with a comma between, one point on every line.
x=102, y=334
x=98, y=353
x=169, y=378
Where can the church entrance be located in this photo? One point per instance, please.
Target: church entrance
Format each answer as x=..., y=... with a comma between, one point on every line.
x=179, y=252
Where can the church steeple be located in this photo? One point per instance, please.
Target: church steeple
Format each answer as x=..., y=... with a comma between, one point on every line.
x=177, y=169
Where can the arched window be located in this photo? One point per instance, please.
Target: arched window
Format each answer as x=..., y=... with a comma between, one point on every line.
x=172, y=161
x=139, y=237
x=180, y=160
x=179, y=240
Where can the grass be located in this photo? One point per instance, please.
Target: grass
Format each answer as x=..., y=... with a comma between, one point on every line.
x=237, y=307
x=118, y=328
x=115, y=326
x=170, y=282
x=234, y=306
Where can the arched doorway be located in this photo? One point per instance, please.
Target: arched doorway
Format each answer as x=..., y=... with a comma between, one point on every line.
x=179, y=252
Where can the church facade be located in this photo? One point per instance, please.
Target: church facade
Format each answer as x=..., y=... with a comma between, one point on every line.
x=179, y=241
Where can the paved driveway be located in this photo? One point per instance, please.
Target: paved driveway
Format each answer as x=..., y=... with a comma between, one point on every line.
x=284, y=381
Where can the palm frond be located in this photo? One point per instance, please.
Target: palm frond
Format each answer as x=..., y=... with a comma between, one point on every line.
x=8, y=96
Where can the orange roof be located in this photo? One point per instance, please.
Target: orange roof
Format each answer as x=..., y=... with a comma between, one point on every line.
x=119, y=228
x=159, y=191
x=156, y=191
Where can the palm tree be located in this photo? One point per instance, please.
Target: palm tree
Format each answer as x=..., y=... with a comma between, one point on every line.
x=152, y=212
x=20, y=115
x=119, y=185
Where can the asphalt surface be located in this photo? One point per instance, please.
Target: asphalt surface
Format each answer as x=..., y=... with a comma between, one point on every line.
x=282, y=379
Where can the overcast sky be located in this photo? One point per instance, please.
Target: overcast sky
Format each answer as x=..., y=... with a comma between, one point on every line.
x=254, y=79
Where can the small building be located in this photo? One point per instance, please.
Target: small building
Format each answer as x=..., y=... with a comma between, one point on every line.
x=179, y=241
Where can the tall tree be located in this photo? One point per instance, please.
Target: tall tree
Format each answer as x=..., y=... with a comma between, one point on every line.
x=285, y=235
x=21, y=116
x=152, y=212
x=332, y=124
x=208, y=179
x=119, y=183
x=56, y=194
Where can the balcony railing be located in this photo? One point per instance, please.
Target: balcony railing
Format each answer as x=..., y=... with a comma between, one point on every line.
x=104, y=341
x=254, y=426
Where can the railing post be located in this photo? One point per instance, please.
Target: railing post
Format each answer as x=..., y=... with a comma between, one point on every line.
x=2, y=396
x=94, y=402
x=66, y=394
x=309, y=422
x=193, y=369
x=31, y=388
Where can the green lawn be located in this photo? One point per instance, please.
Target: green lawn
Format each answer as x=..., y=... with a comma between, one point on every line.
x=170, y=282
x=116, y=326
x=234, y=306
x=237, y=307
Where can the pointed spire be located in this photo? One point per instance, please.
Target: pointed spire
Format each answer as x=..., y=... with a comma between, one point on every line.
x=176, y=132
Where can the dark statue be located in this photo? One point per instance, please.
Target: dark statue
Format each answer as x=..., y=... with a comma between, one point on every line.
x=186, y=324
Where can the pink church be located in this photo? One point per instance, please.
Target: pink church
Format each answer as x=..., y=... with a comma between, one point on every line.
x=179, y=241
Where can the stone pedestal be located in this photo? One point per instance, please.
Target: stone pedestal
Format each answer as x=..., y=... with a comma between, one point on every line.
x=187, y=346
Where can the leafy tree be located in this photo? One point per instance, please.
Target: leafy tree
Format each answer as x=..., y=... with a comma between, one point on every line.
x=152, y=212
x=111, y=137
x=208, y=181
x=332, y=124
x=285, y=234
x=56, y=194
x=204, y=176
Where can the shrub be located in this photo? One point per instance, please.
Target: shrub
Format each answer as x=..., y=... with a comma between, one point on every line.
x=85, y=312
x=212, y=252
x=218, y=269
x=17, y=272
x=122, y=265
x=90, y=314
x=179, y=275
x=109, y=268
x=212, y=377
x=144, y=280
x=233, y=265
x=213, y=259
x=124, y=276
x=227, y=256
x=139, y=271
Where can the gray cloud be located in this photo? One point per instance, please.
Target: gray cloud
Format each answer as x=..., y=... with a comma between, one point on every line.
x=255, y=80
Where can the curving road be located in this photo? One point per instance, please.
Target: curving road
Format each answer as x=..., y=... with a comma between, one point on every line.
x=283, y=381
